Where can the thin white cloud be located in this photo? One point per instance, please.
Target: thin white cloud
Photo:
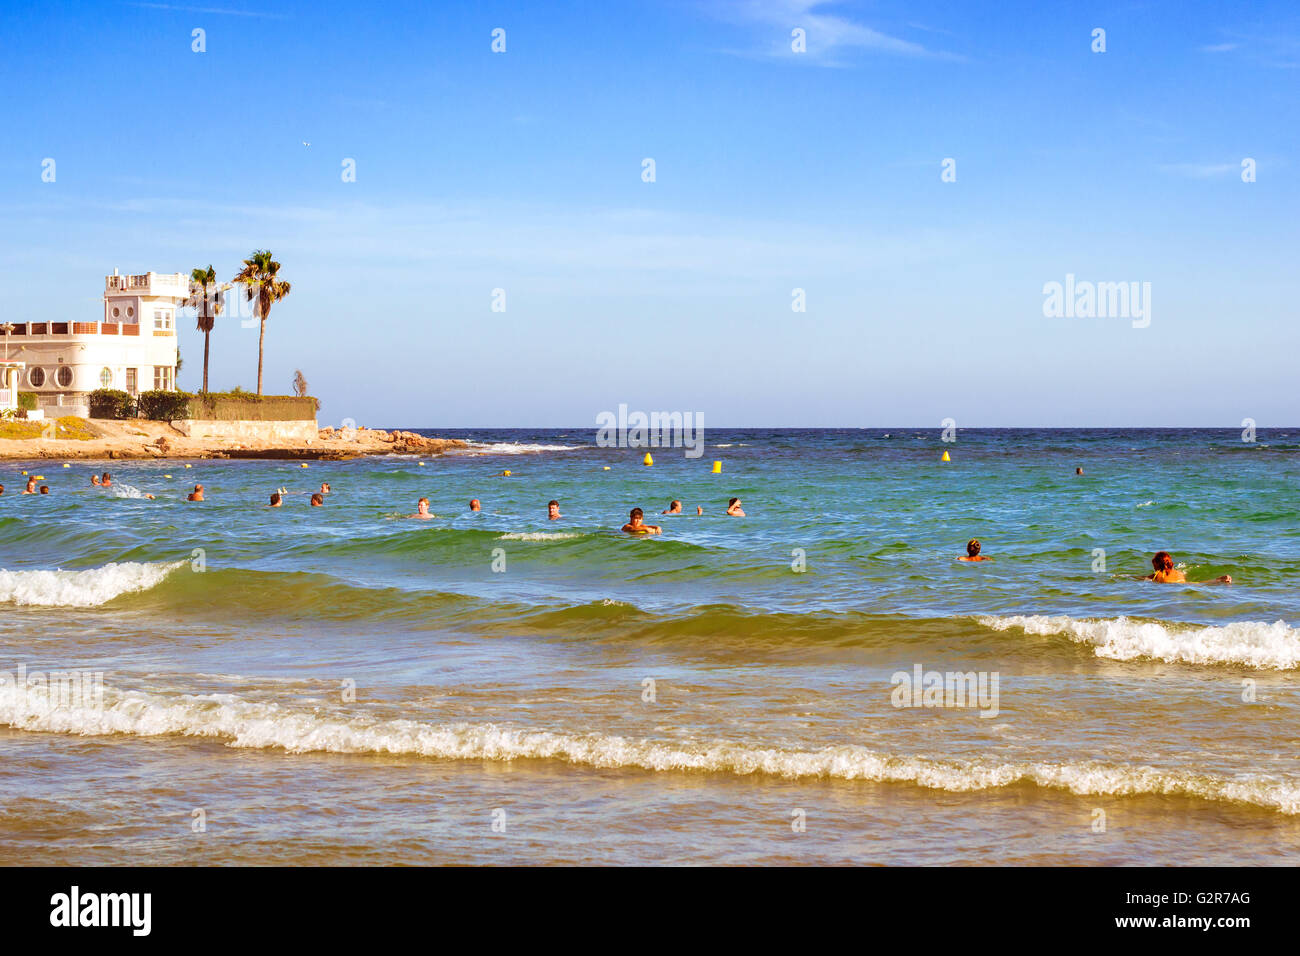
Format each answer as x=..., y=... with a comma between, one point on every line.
x=1201, y=170
x=216, y=11
x=1220, y=47
x=828, y=36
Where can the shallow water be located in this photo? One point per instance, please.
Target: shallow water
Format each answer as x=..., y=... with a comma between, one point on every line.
x=676, y=699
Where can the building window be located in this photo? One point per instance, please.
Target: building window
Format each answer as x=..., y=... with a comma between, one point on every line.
x=131, y=384
x=162, y=377
x=36, y=377
x=106, y=378
x=63, y=376
x=162, y=319
x=130, y=311
x=116, y=312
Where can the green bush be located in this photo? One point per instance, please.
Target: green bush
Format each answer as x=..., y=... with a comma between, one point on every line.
x=27, y=401
x=238, y=405
x=111, y=403
x=162, y=406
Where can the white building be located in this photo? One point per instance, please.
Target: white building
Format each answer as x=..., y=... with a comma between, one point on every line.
x=132, y=347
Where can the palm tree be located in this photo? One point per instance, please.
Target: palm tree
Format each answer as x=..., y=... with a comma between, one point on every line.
x=259, y=277
x=207, y=307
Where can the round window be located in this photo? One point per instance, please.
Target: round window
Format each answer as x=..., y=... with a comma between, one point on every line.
x=36, y=376
x=116, y=312
x=63, y=376
x=130, y=311
x=106, y=378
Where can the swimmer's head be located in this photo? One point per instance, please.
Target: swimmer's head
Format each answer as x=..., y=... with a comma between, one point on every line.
x=275, y=499
x=972, y=547
x=674, y=504
x=474, y=505
x=637, y=514
x=45, y=489
x=733, y=502
x=317, y=500
x=422, y=506
x=1162, y=561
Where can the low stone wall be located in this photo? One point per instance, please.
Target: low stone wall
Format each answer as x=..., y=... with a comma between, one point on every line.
x=201, y=429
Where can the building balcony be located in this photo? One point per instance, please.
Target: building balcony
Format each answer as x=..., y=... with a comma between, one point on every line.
x=46, y=330
x=151, y=283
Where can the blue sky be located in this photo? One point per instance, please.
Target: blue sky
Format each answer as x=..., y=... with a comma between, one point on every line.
x=775, y=170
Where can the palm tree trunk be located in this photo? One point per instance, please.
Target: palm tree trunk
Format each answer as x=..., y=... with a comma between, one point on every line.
x=207, y=341
x=261, y=337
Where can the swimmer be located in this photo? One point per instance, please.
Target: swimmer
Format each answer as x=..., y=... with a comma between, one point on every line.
x=973, y=552
x=94, y=480
x=502, y=474
x=699, y=509
x=553, y=510
x=276, y=500
x=1166, y=573
x=734, y=509
x=1078, y=471
x=106, y=480
x=2, y=489
x=421, y=509
x=31, y=487
x=196, y=494
x=45, y=489
x=324, y=488
x=636, y=525
x=474, y=505
x=674, y=508
x=317, y=501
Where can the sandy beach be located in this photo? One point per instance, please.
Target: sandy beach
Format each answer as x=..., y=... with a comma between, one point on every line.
x=139, y=439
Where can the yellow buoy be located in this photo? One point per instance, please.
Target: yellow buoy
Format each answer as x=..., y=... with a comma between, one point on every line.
x=189, y=466
x=717, y=467
x=40, y=477
x=304, y=464
x=66, y=465
x=648, y=461
x=506, y=473
x=607, y=467
x=421, y=464
x=24, y=472
x=945, y=457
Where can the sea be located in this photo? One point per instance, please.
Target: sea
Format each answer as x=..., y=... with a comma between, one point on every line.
x=820, y=682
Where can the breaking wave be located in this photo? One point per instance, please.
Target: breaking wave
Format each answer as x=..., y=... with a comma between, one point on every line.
x=1251, y=643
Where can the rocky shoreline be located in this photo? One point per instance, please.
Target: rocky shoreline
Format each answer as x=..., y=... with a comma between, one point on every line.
x=125, y=440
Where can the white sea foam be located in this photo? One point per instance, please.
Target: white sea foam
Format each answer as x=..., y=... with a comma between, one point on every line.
x=513, y=448
x=89, y=588
x=1251, y=643
x=539, y=535
x=1145, y=504
x=125, y=491
x=243, y=723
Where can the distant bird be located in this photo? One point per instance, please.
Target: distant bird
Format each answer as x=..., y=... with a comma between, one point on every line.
x=305, y=143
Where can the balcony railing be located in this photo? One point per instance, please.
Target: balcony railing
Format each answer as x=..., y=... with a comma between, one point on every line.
x=148, y=283
x=77, y=328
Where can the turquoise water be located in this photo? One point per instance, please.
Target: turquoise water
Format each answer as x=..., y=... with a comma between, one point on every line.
x=674, y=698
